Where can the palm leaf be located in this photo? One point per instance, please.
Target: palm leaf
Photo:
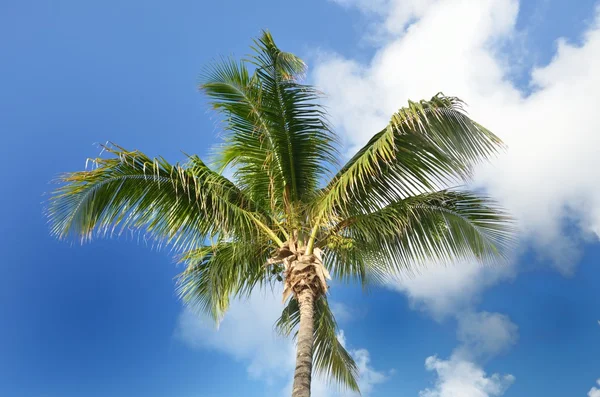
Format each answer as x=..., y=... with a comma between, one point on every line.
x=427, y=146
x=178, y=205
x=349, y=259
x=217, y=273
x=441, y=226
x=249, y=147
x=278, y=139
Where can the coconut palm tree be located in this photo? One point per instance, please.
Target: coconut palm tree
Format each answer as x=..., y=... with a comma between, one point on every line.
x=284, y=215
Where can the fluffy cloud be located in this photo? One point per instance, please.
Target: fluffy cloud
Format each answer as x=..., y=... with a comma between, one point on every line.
x=594, y=391
x=247, y=334
x=341, y=312
x=394, y=14
x=484, y=334
x=369, y=377
x=457, y=377
x=445, y=290
x=548, y=177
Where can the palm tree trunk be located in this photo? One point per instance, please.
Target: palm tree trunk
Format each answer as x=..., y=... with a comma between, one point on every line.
x=304, y=349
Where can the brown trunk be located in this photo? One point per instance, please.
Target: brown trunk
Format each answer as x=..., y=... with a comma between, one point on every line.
x=304, y=349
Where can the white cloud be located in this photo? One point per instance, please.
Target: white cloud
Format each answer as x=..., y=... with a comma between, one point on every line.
x=457, y=377
x=341, y=312
x=548, y=177
x=369, y=377
x=247, y=334
x=484, y=335
x=444, y=290
x=396, y=15
x=594, y=391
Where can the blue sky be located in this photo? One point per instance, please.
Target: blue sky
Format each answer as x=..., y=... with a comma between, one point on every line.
x=103, y=319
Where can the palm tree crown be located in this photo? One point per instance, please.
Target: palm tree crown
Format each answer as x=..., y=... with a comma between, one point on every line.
x=284, y=216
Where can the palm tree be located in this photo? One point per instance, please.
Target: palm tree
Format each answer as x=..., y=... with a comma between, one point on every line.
x=283, y=216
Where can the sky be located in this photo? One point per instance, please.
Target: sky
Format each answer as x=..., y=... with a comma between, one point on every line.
x=103, y=319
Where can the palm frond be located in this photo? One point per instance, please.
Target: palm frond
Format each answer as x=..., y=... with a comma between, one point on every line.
x=348, y=259
x=427, y=146
x=330, y=357
x=173, y=204
x=217, y=273
x=249, y=147
x=441, y=226
x=278, y=138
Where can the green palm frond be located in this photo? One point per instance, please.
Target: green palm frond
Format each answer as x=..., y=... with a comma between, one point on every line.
x=348, y=259
x=178, y=205
x=278, y=140
x=441, y=226
x=217, y=273
x=249, y=146
x=331, y=359
x=279, y=64
x=427, y=146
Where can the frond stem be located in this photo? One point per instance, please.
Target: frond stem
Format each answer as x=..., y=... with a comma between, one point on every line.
x=313, y=235
x=267, y=230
